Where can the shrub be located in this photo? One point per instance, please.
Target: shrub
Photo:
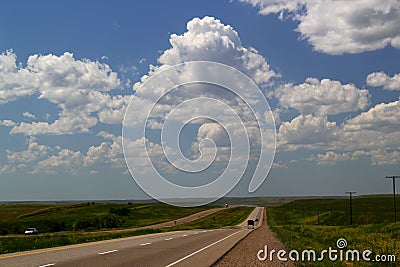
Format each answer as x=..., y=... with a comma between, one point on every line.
x=120, y=211
x=86, y=223
x=57, y=226
x=107, y=221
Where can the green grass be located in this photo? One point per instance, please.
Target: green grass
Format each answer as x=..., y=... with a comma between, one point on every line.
x=223, y=218
x=13, y=211
x=47, y=218
x=335, y=211
x=220, y=219
x=297, y=225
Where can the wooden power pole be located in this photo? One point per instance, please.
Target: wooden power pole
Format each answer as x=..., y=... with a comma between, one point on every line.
x=394, y=177
x=351, y=206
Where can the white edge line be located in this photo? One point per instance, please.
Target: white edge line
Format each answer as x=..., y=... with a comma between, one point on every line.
x=145, y=244
x=106, y=252
x=200, y=250
x=167, y=239
x=46, y=265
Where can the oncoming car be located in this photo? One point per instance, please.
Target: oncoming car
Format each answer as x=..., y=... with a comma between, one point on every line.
x=31, y=231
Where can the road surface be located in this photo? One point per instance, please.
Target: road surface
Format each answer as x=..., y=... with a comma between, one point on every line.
x=182, y=248
x=244, y=253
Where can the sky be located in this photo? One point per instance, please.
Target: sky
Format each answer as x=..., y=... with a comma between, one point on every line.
x=68, y=70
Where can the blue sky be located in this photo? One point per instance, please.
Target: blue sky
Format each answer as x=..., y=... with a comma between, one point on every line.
x=68, y=70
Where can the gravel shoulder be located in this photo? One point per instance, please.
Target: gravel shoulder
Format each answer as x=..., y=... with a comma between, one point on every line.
x=245, y=252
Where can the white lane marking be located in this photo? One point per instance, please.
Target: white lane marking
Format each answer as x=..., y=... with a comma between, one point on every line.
x=106, y=252
x=166, y=239
x=184, y=235
x=200, y=250
x=145, y=244
x=47, y=265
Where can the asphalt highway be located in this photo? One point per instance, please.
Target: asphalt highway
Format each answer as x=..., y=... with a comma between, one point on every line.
x=181, y=248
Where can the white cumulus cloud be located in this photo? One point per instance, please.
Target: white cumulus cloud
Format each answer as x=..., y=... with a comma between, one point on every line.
x=382, y=157
x=322, y=97
x=330, y=158
x=378, y=79
x=307, y=130
x=373, y=133
x=7, y=123
x=52, y=160
x=375, y=129
x=79, y=88
x=66, y=161
x=209, y=39
x=7, y=169
x=382, y=117
x=32, y=153
x=340, y=26
x=15, y=81
x=28, y=115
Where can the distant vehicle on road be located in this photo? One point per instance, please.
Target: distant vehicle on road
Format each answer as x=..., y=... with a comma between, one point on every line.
x=31, y=231
x=250, y=223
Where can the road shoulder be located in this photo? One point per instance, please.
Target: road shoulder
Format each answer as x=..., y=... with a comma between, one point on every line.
x=244, y=253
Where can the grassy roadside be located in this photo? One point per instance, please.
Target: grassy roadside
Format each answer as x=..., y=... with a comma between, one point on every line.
x=9, y=244
x=17, y=244
x=382, y=239
x=298, y=226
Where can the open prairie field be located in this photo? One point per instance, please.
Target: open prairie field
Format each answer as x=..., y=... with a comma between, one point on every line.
x=48, y=218
x=318, y=223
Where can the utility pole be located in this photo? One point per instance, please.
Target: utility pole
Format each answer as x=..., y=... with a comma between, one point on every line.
x=351, y=206
x=394, y=194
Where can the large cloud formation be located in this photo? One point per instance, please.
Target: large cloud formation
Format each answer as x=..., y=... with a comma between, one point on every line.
x=79, y=88
x=373, y=133
x=322, y=97
x=208, y=39
x=340, y=26
x=83, y=92
x=382, y=117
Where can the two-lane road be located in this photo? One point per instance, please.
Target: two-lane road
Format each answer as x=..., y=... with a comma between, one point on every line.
x=182, y=248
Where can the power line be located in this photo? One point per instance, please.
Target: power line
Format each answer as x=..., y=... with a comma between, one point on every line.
x=351, y=206
x=394, y=177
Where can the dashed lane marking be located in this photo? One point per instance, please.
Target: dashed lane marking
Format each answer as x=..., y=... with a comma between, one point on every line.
x=107, y=252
